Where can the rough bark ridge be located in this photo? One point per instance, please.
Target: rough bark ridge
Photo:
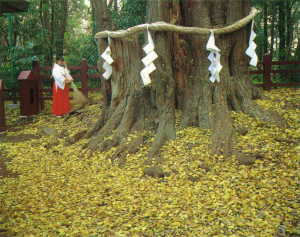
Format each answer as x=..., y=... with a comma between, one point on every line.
x=181, y=79
x=101, y=15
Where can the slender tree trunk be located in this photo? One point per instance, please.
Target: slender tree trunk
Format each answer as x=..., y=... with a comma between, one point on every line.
x=272, y=44
x=265, y=28
x=290, y=26
x=282, y=29
x=116, y=5
x=297, y=51
x=46, y=18
x=54, y=16
x=61, y=20
x=181, y=76
x=103, y=21
x=101, y=14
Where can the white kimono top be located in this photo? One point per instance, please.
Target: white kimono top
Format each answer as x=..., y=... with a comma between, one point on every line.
x=59, y=74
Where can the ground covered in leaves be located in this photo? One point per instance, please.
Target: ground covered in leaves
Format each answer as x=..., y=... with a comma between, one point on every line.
x=51, y=188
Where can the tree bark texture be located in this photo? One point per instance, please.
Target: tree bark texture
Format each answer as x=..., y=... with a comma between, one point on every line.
x=181, y=79
x=53, y=16
x=101, y=15
x=272, y=33
x=265, y=51
x=61, y=21
x=103, y=22
x=282, y=29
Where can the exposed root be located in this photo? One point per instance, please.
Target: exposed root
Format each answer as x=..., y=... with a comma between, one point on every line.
x=97, y=126
x=222, y=125
x=109, y=126
x=165, y=131
x=126, y=119
x=256, y=111
x=127, y=148
x=101, y=121
x=257, y=93
x=249, y=106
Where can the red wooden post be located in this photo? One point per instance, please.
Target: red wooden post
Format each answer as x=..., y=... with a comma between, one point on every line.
x=36, y=74
x=84, y=77
x=2, y=108
x=267, y=82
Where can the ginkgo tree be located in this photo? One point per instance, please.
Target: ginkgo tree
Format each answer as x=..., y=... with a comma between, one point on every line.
x=181, y=79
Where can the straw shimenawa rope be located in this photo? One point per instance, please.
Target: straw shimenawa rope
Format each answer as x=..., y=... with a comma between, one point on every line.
x=163, y=26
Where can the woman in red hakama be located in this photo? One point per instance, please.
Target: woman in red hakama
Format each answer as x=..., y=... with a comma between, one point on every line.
x=61, y=103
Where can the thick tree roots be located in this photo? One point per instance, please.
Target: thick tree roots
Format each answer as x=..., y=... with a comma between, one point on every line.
x=136, y=114
x=181, y=80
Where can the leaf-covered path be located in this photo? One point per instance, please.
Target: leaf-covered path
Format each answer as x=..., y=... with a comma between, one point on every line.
x=56, y=190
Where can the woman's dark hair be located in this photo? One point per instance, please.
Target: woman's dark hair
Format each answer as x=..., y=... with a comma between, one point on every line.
x=60, y=58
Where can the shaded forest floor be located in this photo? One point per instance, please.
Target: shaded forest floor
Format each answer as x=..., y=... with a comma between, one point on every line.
x=49, y=187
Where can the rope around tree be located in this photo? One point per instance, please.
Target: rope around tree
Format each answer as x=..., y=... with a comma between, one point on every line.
x=163, y=26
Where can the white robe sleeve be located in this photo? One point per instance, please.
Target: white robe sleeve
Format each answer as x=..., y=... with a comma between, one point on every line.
x=59, y=76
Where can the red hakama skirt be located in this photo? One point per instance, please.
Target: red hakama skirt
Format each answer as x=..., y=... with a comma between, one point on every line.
x=61, y=103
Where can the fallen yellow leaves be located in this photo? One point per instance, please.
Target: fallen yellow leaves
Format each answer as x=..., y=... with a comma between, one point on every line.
x=62, y=192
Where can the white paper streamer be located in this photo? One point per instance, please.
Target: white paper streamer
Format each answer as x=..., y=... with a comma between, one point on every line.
x=214, y=57
x=108, y=60
x=151, y=55
x=252, y=46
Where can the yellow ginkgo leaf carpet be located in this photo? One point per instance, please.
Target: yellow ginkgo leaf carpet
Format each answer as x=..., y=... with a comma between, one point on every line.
x=51, y=188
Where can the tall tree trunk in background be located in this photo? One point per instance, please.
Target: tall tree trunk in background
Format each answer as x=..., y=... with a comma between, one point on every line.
x=53, y=16
x=103, y=21
x=265, y=28
x=116, y=5
x=297, y=27
x=282, y=29
x=297, y=51
x=46, y=17
x=289, y=28
x=60, y=18
x=273, y=18
x=101, y=14
x=182, y=68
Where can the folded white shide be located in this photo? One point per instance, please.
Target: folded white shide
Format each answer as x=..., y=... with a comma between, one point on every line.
x=252, y=47
x=214, y=57
x=108, y=60
x=151, y=55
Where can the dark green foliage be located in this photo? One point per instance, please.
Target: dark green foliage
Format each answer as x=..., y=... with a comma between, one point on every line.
x=30, y=39
x=277, y=33
x=33, y=40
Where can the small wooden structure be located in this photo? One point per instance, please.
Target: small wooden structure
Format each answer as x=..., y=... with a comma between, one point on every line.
x=13, y=6
x=9, y=6
x=30, y=101
x=32, y=93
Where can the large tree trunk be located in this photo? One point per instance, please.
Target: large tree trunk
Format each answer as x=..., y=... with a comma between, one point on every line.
x=181, y=79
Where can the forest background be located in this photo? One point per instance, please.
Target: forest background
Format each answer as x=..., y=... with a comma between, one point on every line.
x=56, y=27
